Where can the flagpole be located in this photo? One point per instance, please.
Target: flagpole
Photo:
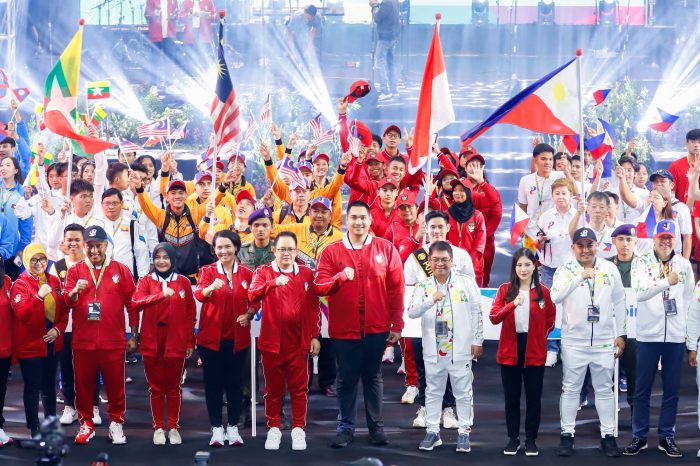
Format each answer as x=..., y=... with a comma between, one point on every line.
x=579, y=84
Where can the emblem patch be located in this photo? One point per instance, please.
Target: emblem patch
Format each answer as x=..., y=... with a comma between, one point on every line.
x=18, y=298
x=244, y=284
x=379, y=258
x=115, y=278
x=182, y=294
x=471, y=226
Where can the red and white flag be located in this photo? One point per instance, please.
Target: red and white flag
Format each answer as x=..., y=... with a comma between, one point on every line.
x=435, y=109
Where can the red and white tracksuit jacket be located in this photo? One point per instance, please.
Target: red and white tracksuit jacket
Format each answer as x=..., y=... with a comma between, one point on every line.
x=5, y=319
x=99, y=344
x=167, y=331
x=291, y=317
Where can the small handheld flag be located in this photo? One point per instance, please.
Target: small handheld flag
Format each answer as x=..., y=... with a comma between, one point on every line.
x=315, y=124
x=667, y=120
x=21, y=93
x=266, y=114
x=518, y=223
x=98, y=90
x=155, y=128
x=600, y=96
x=646, y=229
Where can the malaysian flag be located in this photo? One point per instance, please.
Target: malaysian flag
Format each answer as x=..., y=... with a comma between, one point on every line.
x=354, y=141
x=289, y=170
x=179, y=133
x=153, y=129
x=325, y=137
x=224, y=109
x=252, y=127
x=315, y=124
x=127, y=146
x=266, y=114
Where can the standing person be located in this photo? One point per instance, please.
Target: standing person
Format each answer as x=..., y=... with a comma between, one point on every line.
x=302, y=30
x=467, y=226
x=290, y=330
x=680, y=168
x=385, y=15
x=39, y=319
x=98, y=290
x=449, y=305
x=535, y=189
x=223, y=340
x=363, y=279
x=167, y=338
x=259, y=251
x=527, y=313
x=596, y=209
x=663, y=282
x=197, y=17
x=593, y=323
x=5, y=346
x=11, y=192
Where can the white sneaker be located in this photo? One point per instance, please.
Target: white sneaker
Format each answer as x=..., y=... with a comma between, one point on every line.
x=551, y=359
x=274, y=437
x=159, y=437
x=298, y=439
x=233, y=437
x=449, y=420
x=419, y=421
x=174, y=437
x=69, y=416
x=388, y=357
x=116, y=433
x=409, y=396
x=4, y=438
x=217, y=437
x=96, y=419
x=402, y=368
x=698, y=455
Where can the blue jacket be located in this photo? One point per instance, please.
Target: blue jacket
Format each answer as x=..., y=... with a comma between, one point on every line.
x=20, y=230
x=24, y=151
x=5, y=238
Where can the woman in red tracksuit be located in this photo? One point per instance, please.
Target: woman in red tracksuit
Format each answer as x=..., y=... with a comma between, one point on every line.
x=527, y=313
x=38, y=322
x=167, y=338
x=5, y=345
x=467, y=226
x=290, y=329
x=223, y=340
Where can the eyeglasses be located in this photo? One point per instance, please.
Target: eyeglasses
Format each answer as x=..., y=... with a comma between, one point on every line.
x=286, y=250
x=112, y=204
x=392, y=136
x=38, y=260
x=441, y=260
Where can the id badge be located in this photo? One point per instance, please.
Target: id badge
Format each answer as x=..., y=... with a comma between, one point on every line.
x=670, y=308
x=593, y=313
x=94, y=311
x=441, y=330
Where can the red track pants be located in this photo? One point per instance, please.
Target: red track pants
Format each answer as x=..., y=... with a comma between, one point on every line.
x=409, y=362
x=163, y=375
x=110, y=362
x=292, y=367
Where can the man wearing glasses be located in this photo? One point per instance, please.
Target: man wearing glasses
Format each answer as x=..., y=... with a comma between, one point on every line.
x=592, y=296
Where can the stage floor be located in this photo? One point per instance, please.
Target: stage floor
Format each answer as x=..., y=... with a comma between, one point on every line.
x=488, y=436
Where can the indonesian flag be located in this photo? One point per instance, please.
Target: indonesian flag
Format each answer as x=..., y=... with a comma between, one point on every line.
x=434, y=105
x=518, y=223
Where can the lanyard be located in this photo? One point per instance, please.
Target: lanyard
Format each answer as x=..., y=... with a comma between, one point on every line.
x=540, y=191
x=114, y=229
x=364, y=241
x=591, y=285
x=440, y=309
x=99, y=280
x=4, y=197
x=664, y=268
x=320, y=239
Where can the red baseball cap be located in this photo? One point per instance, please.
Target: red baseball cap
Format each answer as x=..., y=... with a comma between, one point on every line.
x=376, y=157
x=388, y=180
x=244, y=194
x=321, y=155
x=358, y=89
x=363, y=132
x=407, y=197
x=239, y=156
x=446, y=171
x=392, y=128
x=176, y=184
x=463, y=181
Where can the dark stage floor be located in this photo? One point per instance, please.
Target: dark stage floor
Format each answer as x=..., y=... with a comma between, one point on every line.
x=488, y=436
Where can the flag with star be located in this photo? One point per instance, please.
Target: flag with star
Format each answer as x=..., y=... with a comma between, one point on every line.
x=225, y=113
x=98, y=90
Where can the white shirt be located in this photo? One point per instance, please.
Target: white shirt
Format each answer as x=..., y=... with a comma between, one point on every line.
x=164, y=17
x=628, y=214
x=606, y=248
x=522, y=313
x=556, y=226
x=56, y=232
x=536, y=192
x=121, y=249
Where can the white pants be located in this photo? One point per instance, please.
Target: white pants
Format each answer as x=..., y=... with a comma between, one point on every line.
x=575, y=361
x=436, y=373
x=697, y=381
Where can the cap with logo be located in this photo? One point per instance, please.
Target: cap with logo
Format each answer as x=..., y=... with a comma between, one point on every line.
x=624, y=230
x=663, y=174
x=176, y=184
x=305, y=166
x=584, y=234
x=322, y=201
x=466, y=184
x=388, y=181
x=263, y=212
x=358, y=89
x=665, y=228
x=407, y=197
x=237, y=156
x=244, y=194
x=201, y=175
x=95, y=233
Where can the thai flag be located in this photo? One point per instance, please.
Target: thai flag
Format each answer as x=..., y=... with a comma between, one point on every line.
x=315, y=124
x=518, y=223
x=646, y=229
x=289, y=170
x=154, y=129
x=325, y=137
x=224, y=109
x=252, y=127
x=266, y=114
x=600, y=95
x=667, y=120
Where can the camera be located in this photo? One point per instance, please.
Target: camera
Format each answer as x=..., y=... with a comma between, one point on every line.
x=51, y=443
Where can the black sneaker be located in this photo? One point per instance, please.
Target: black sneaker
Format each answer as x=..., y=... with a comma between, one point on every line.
x=566, y=445
x=342, y=440
x=608, y=445
x=531, y=448
x=668, y=445
x=512, y=447
x=378, y=438
x=637, y=445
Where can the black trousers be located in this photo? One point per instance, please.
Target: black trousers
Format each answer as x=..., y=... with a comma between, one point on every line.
x=448, y=399
x=628, y=362
x=326, y=365
x=4, y=374
x=513, y=379
x=223, y=372
x=360, y=359
x=39, y=376
x=68, y=375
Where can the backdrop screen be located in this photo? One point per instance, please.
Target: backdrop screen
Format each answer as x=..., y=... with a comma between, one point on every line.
x=113, y=12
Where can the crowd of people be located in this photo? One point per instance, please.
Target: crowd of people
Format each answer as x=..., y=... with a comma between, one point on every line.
x=103, y=259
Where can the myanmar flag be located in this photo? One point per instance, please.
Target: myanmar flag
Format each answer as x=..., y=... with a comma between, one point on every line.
x=98, y=90
x=98, y=115
x=61, y=94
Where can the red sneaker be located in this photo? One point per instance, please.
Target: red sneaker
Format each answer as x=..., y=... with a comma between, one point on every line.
x=85, y=433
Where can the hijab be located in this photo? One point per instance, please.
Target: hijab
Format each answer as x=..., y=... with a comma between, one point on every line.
x=170, y=251
x=462, y=211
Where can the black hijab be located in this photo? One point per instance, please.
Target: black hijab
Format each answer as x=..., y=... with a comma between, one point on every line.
x=462, y=211
x=170, y=251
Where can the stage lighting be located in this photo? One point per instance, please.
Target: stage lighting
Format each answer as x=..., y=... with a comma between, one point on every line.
x=480, y=11
x=545, y=12
x=606, y=11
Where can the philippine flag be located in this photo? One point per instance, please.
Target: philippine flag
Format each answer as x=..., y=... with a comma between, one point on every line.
x=549, y=105
x=600, y=95
x=667, y=120
x=646, y=229
x=518, y=223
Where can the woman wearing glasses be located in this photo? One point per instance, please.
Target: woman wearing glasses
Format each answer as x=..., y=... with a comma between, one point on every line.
x=39, y=321
x=223, y=340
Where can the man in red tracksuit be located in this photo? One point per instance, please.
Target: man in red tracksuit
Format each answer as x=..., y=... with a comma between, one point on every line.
x=290, y=329
x=98, y=290
x=406, y=226
x=362, y=276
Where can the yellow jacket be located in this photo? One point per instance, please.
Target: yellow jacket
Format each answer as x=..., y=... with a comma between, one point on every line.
x=309, y=243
